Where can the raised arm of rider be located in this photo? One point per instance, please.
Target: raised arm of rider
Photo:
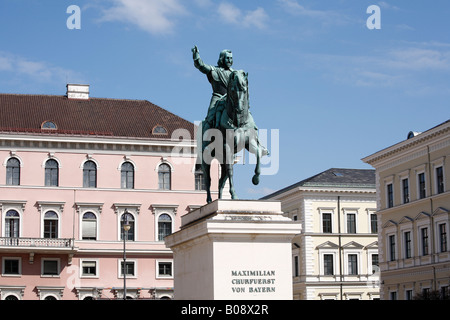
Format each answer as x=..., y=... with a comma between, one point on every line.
x=198, y=62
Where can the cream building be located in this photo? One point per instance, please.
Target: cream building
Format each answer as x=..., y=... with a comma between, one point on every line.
x=413, y=200
x=336, y=254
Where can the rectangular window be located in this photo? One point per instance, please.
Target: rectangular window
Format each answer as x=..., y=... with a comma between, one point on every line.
x=440, y=179
x=392, y=248
x=393, y=295
x=422, y=188
x=328, y=268
x=200, y=182
x=375, y=263
x=296, y=266
x=351, y=223
x=164, y=269
x=409, y=295
x=426, y=293
x=373, y=223
x=326, y=222
x=444, y=293
x=390, y=195
x=11, y=266
x=89, y=268
x=424, y=234
x=443, y=237
x=407, y=236
x=130, y=270
x=352, y=264
x=50, y=267
x=405, y=190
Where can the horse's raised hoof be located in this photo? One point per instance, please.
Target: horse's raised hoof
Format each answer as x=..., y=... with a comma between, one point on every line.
x=255, y=179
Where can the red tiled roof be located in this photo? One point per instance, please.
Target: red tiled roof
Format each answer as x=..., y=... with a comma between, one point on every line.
x=96, y=116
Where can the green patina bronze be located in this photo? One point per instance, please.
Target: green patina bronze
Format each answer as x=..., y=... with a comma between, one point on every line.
x=228, y=126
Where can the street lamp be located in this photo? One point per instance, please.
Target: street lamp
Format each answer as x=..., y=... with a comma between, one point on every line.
x=126, y=227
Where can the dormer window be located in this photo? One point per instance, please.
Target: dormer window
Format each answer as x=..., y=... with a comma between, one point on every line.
x=48, y=125
x=159, y=130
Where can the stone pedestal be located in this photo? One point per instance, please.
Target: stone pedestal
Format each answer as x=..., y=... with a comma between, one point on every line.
x=233, y=250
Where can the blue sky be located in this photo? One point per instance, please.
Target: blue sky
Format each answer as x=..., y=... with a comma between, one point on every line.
x=335, y=90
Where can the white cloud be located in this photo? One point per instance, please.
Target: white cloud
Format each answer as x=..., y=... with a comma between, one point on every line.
x=385, y=5
x=294, y=7
x=36, y=71
x=231, y=14
x=403, y=67
x=155, y=17
x=325, y=16
x=260, y=192
x=419, y=59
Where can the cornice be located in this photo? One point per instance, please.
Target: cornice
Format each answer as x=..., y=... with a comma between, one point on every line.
x=35, y=142
x=437, y=136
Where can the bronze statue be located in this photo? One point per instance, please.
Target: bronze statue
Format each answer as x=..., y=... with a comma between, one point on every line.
x=229, y=115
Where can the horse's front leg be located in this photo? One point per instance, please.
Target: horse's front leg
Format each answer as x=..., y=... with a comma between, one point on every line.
x=230, y=178
x=254, y=147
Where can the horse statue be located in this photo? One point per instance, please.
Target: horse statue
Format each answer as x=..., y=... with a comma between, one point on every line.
x=232, y=130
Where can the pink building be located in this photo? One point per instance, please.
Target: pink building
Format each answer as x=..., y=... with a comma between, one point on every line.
x=73, y=168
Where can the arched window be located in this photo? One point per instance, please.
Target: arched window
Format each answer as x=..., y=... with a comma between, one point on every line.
x=159, y=130
x=12, y=222
x=51, y=225
x=127, y=218
x=164, y=177
x=13, y=172
x=48, y=125
x=164, y=226
x=51, y=173
x=89, y=231
x=89, y=174
x=127, y=175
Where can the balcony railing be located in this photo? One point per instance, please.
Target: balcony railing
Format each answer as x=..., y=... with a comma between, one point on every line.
x=37, y=242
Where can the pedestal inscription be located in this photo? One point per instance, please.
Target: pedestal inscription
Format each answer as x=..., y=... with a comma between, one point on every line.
x=234, y=250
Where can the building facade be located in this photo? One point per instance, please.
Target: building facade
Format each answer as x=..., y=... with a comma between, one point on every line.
x=413, y=200
x=75, y=170
x=335, y=257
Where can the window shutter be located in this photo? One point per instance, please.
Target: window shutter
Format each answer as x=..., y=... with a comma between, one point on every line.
x=89, y=229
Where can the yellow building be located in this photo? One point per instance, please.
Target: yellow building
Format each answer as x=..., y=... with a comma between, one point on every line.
x=413, y=201
x=336, y=254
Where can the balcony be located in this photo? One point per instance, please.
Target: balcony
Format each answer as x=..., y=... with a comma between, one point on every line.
x=39, y=245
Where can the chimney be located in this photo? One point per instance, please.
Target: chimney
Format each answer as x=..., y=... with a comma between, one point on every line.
x=77, y=91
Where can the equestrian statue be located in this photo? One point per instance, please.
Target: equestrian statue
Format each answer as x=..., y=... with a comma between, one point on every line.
x=228, y=126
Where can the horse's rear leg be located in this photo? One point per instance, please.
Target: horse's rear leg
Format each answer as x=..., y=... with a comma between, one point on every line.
x=207, y=177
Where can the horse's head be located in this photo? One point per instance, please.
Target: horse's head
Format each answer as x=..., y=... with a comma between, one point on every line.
x=238, y=97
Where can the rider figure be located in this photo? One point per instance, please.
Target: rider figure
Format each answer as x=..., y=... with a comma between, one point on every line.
x=218, y=77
